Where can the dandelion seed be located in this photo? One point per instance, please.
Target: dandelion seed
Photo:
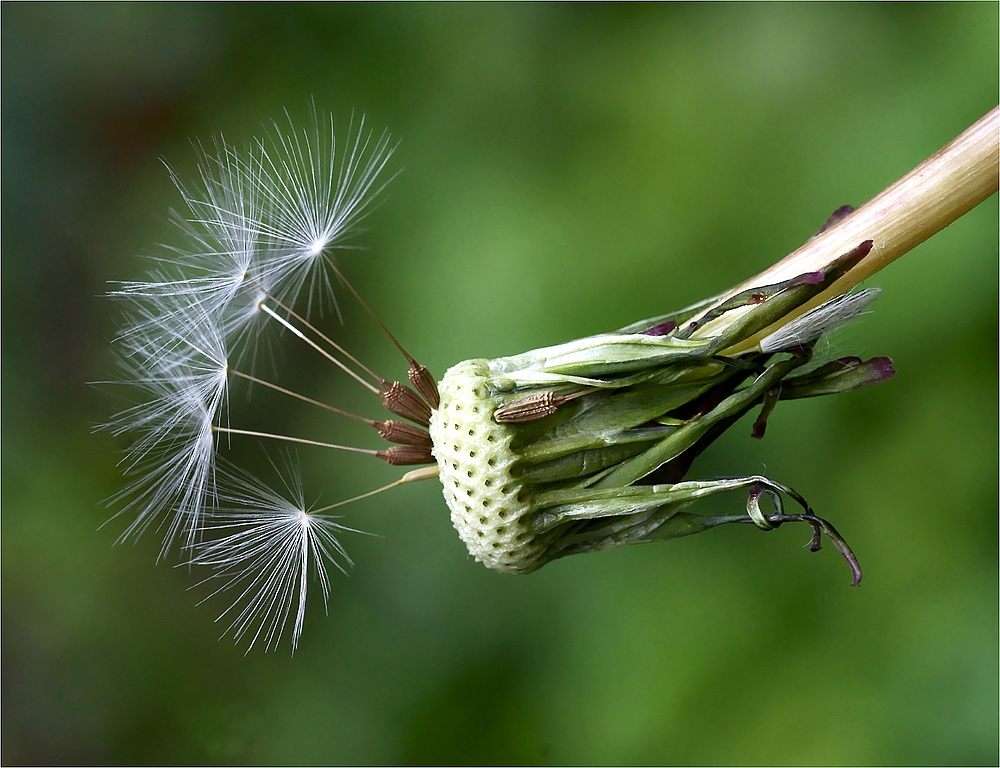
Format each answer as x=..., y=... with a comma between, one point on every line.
x=258, y=232
x=181, y=369
x=315, y=196
x=264, y=547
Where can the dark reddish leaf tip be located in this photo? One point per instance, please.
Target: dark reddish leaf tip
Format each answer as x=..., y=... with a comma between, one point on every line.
x=760, y=425
x=881, y=368
x=823, y=528
x=808, y=278
x=836, y=217
x=853, y=258
x=660, y=330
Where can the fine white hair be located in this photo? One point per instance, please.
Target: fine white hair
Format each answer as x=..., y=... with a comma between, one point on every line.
x=823, y=319
x=262, y=547
x=260, y=224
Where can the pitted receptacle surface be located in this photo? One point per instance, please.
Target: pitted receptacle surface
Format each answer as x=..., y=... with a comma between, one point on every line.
x=477, y=471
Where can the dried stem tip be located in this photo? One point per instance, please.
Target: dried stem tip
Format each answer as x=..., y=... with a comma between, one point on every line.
x=943, y=188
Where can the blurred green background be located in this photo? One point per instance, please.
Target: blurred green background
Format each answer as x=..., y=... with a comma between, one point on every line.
x=567, y=170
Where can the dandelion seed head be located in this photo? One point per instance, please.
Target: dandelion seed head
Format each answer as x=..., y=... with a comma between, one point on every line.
x=257, y=230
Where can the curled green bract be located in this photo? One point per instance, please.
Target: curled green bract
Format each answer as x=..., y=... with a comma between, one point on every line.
x=587, y=445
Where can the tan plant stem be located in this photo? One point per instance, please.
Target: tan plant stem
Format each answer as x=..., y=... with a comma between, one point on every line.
x=943, y=188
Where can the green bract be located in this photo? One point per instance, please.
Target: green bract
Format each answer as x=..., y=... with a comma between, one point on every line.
x=584, y=446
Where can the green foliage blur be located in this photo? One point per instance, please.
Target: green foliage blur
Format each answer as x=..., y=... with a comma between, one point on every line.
x=568, y=170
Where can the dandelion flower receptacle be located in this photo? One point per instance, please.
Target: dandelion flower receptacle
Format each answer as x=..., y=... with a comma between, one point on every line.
x=568, y=449
x=583, y=446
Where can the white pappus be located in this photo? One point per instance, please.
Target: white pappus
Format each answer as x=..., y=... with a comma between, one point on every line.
x=259, y=231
